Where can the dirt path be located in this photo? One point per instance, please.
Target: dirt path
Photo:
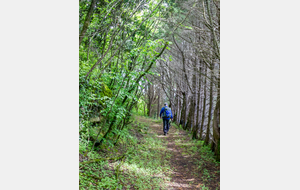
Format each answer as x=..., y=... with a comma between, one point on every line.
x=186, y=173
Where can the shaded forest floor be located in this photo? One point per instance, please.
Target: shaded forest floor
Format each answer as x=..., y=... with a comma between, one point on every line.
x=189, y=170
x=155, y=161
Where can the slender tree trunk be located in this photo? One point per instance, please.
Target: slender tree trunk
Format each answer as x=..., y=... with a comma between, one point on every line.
x=149, y=110
x=193, y=100
x=196, y=128
x=190, y=116
x=216, y=131
x=87, y=21
x=178, y=111
x=183, y=117
x=158, y=101
x=203, y=107
x=210, y=107
x=216, y=125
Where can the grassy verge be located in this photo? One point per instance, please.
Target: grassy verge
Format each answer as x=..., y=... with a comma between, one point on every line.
x=207, y=168
x=140, y=162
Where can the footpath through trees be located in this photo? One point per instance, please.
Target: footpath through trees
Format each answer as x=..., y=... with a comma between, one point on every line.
x=146, y=159
x=134, y=56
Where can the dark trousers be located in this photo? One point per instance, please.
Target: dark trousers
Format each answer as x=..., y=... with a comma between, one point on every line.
x=166, y=125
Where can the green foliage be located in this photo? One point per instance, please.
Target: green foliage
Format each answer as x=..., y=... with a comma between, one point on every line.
x=204, y=188
x=111, y=90
x=139, y=108
x=143, y=167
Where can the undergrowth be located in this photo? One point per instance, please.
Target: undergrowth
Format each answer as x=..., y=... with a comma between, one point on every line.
x=140, y=160
x=144, y=163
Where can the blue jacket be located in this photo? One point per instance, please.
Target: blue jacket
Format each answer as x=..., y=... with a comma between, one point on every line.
x=162, y=110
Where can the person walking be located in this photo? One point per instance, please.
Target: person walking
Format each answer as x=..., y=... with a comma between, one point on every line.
x=166, y=114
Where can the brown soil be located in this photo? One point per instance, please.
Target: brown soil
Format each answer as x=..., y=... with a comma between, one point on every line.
x=186, y=174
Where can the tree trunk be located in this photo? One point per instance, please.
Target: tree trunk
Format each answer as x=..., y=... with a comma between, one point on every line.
x=178, y=111
x=191, y=115
x=196, y=128
x=149, y=110
x=203, y=107
x=210, y=107
x=158, y=101
x=216, y=131
x=87, y=21
x=183, y=111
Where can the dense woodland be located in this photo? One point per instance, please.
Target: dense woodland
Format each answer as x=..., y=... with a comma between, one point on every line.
x=135, y=55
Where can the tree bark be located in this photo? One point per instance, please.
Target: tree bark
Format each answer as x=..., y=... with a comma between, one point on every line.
x=158, y=101
x=191, y=115
x=196, y=129
x=203, y=107
x=210, y=106
x=87, y=21
x=183, y=111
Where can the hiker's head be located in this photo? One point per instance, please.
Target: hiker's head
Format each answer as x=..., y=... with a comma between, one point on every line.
x=166, y=104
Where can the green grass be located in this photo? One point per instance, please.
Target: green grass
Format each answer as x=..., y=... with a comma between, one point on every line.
x=205, y=157
x=146, y=164
x=144, y=167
